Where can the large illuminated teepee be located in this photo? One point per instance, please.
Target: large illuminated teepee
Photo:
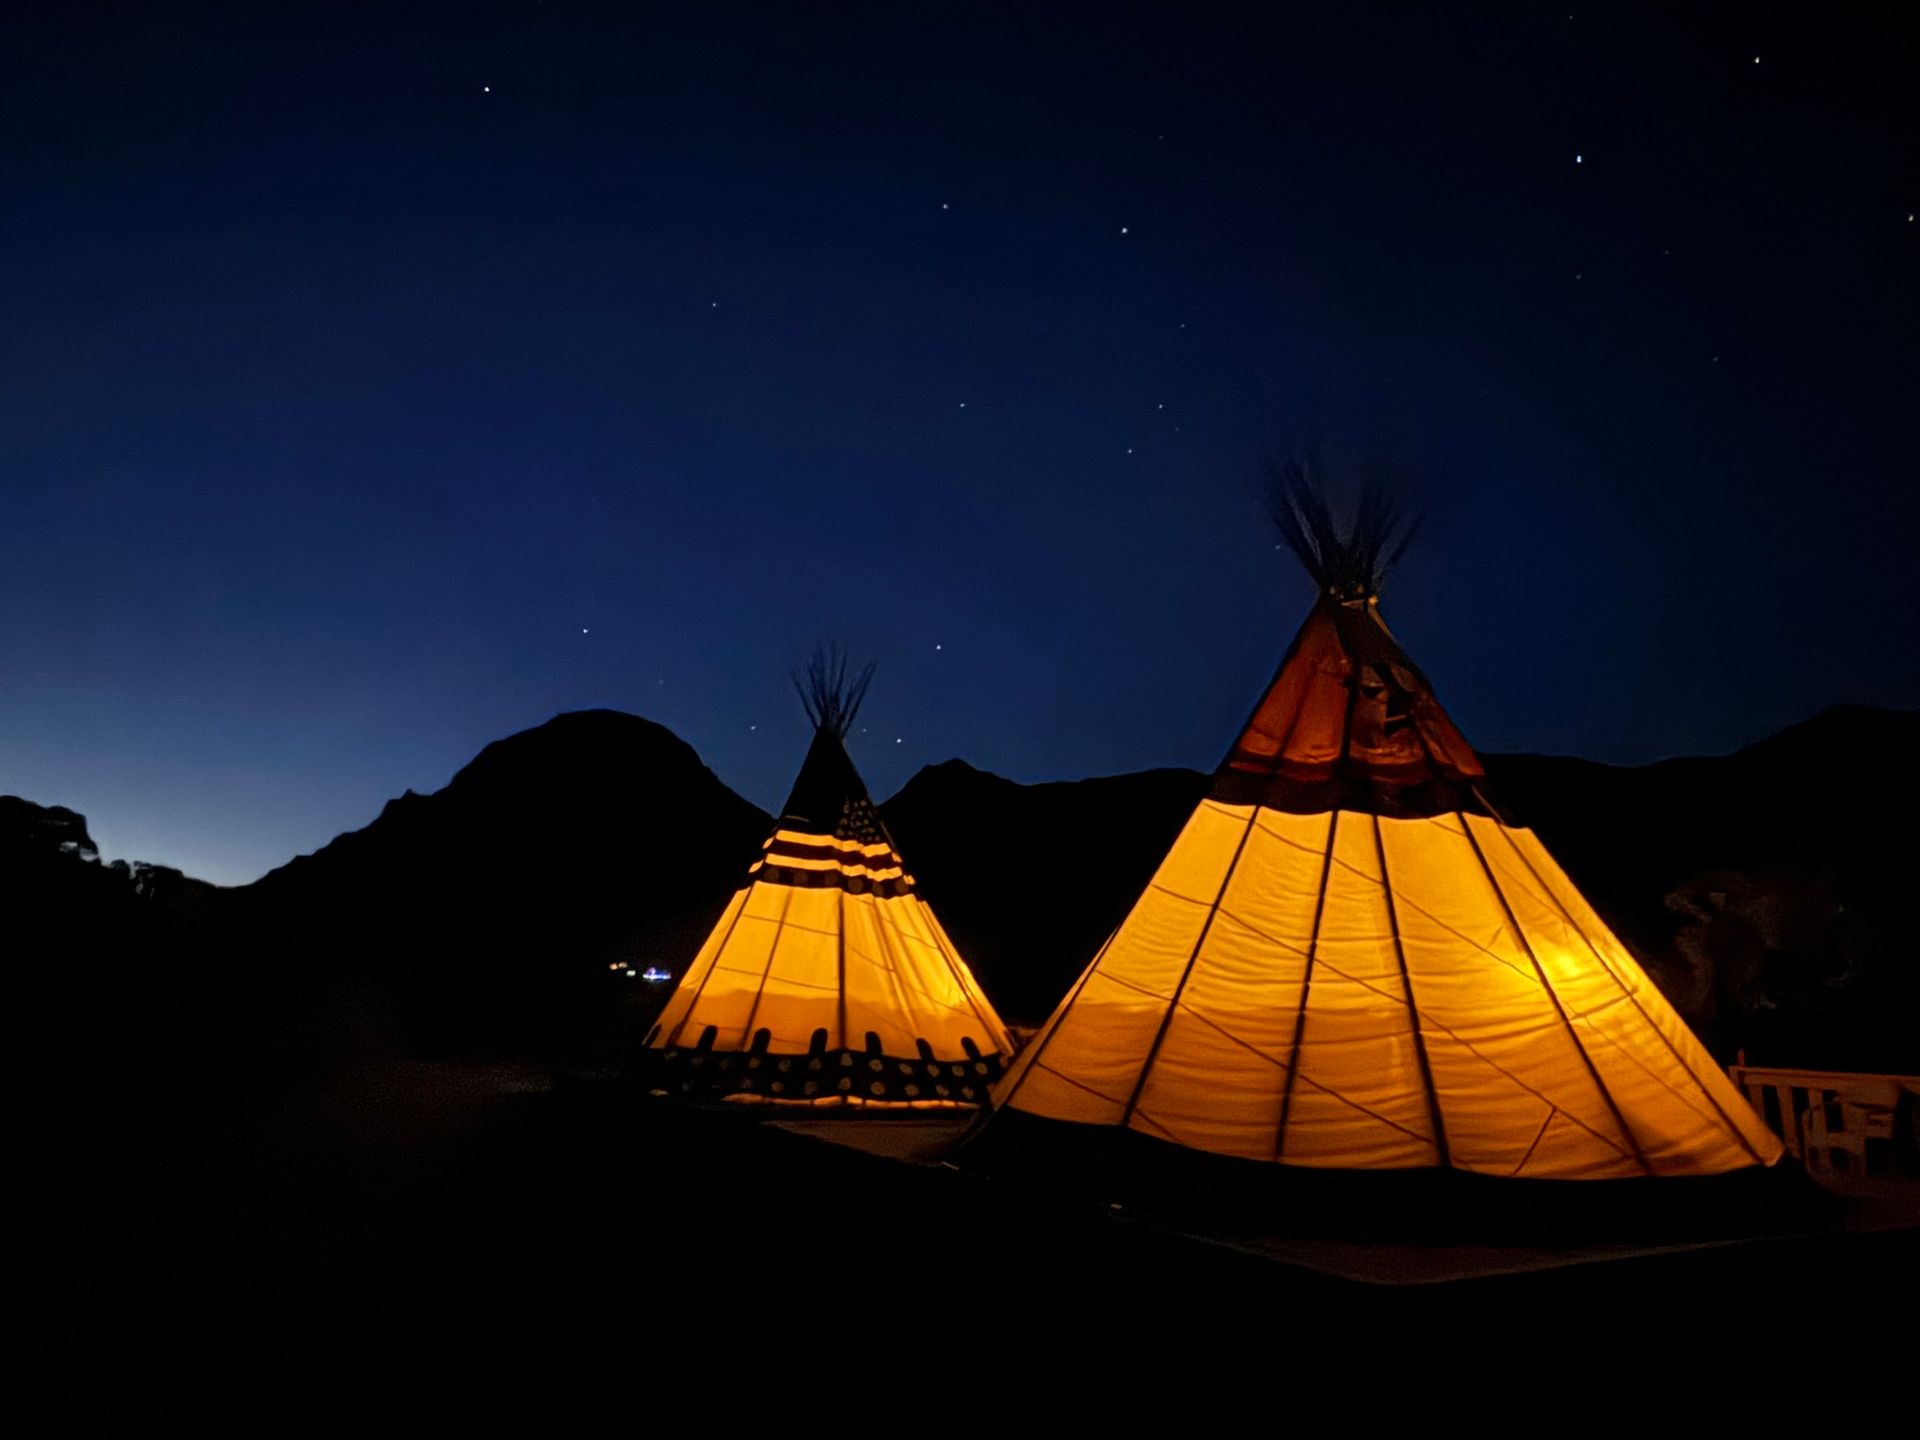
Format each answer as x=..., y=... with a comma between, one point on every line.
x=828, y=981
x=1349, y=961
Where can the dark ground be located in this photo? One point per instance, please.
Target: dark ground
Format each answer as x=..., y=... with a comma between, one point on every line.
x=456, y=1236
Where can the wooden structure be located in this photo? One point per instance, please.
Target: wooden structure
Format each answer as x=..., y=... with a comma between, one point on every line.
x=1839, y=1124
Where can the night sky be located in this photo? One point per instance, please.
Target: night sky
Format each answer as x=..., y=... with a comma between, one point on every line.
x=377, y=383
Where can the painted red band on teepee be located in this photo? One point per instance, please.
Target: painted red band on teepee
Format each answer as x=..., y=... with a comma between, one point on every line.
x=1349, y=723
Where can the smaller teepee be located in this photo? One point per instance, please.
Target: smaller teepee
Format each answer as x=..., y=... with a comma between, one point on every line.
x=828, y=981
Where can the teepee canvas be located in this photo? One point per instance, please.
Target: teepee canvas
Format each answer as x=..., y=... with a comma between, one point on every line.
x=828, y=980
x=1349, y=960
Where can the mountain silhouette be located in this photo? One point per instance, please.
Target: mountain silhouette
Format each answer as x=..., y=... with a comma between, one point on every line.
x=490, y=911
x=1029, y=879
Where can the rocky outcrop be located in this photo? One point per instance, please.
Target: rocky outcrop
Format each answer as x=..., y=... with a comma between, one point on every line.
x=30, y=829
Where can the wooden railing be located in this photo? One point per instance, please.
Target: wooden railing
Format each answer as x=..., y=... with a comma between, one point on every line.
x=1838, y=1124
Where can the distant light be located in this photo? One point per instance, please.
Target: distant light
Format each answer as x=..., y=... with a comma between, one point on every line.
x=653, y=974
x=1756, y=59
x=1579, y=159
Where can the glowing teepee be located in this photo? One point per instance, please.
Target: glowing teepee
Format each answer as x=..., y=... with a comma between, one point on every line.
x=828, y=981
x=1348, y=960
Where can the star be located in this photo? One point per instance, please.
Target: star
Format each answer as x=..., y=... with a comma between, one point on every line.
x=486, y=89
x=896, y=739
x=583, y=629
x=963, y=404
x=1579, y=159
x=1129, y=449
x=1159, y=407
x=943, y=206
x=937, y=646
x=1123, y=229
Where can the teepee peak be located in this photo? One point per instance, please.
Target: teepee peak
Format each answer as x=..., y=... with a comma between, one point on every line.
x=1350, y=722
x=828, y=795
x=828, y=790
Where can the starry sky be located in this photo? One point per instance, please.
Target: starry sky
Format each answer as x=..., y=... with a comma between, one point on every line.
x=378, y=381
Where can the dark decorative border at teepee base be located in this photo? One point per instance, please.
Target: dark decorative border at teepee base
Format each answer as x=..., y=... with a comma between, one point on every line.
x=866, y=1077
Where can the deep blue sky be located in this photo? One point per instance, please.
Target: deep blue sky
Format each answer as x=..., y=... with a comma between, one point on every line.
x=353, y=414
